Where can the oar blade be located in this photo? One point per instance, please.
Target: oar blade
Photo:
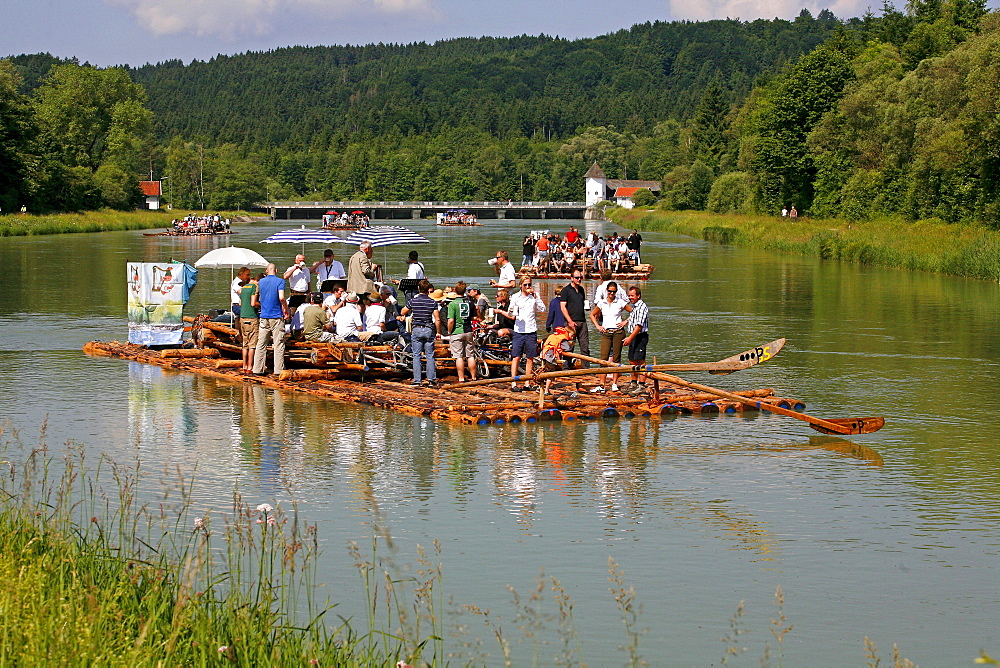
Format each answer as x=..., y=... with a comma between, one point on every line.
x=865, y=425
x=749, y=358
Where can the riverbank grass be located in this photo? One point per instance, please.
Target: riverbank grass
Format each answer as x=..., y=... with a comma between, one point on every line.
x=93, y=579
x=959, y=250
x=105, y=220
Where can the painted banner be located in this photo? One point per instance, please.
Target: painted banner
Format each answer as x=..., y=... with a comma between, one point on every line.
x=157, y=292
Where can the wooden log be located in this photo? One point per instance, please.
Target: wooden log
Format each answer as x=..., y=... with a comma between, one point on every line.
x=316, y=374
x=228, y=364
x=189, y=353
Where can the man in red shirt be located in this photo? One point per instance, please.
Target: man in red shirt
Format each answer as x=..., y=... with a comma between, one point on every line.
x=572, y=236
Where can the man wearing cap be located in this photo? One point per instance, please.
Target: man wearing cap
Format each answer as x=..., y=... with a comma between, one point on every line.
x=361, y=270
x=298, y=276
x=273, y=313
x=460, y=313
x=315, y=324
x=327, y=269
x=425, y=324
x=482, y=303
x=347, y=319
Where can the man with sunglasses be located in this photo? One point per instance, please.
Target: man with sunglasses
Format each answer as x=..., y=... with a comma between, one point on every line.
x=522, y=309
x=573, y=304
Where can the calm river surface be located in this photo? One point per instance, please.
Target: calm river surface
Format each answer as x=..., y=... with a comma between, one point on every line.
x=892, y=535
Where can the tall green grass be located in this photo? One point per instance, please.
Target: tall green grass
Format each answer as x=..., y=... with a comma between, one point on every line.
x=105, y=220
x=959, y=250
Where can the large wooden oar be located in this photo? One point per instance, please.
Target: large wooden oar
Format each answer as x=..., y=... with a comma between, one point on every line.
x=843, y=426
x=744, y=360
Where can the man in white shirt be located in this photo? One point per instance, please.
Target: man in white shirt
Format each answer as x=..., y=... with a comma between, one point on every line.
x=347, y=319
x=327, y=269
x=298, y=276
x=522, y=309
x=507, y=276
x=414, y=267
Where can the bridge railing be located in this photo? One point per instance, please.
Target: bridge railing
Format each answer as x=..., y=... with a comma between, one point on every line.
x=286, y=204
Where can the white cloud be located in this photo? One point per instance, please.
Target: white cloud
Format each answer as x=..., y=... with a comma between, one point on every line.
x=229, y=19
x=748, y=10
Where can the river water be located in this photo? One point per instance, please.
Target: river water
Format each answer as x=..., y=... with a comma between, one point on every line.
x=892, y=535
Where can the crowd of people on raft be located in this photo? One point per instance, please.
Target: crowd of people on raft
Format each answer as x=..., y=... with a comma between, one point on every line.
x=348, y=306
x=546, y=253
x=358, y=220
x=457, y=218
x=192, y=224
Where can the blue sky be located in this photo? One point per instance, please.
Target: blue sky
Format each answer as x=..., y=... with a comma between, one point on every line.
x=112, y=32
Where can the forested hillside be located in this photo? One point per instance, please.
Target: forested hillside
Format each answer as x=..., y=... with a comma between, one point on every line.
x=508, y=87
x=894, y=113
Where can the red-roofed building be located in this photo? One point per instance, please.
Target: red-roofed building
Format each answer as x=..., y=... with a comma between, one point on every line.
x=152, y=191
x=623, y=196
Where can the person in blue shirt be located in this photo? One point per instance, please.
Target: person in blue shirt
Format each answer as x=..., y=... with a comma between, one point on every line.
x=273, y=313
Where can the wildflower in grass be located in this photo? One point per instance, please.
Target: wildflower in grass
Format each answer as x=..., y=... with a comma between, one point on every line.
x=223, y=649
x=264, y=508
x=199, y=523
x=271, y=521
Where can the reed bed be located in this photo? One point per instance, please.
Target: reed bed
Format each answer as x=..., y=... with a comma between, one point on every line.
x=104, y=220
x=959, y=250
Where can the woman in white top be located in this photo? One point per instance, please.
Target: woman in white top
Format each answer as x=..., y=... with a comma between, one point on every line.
x=614, y=313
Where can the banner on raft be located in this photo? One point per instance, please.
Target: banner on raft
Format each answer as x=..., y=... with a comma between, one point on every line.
x=157, y=292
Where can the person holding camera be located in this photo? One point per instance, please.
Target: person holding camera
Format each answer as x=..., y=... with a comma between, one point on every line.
x=298, y=276
x=507, y=277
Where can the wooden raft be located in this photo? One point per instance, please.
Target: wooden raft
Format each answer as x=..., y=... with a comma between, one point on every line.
x=640, y=272
x=492, y=404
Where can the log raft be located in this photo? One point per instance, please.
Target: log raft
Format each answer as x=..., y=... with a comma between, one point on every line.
x=353, y=382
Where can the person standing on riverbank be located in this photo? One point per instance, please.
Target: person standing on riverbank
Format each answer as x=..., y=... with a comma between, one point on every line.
x=273, y=313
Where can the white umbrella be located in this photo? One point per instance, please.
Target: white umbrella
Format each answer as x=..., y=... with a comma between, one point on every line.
x=230, y=257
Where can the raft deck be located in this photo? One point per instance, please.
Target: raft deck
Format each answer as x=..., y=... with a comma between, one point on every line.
x=491, y=404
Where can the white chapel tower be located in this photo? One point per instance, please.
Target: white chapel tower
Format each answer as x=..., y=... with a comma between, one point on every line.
x=596, y=184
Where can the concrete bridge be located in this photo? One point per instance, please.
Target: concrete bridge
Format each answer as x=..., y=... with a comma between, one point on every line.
x=287, y=210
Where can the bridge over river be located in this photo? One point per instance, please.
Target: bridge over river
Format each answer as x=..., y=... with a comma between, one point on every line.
x=287, y=210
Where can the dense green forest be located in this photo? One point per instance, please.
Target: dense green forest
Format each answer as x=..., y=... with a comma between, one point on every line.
x=893, y=112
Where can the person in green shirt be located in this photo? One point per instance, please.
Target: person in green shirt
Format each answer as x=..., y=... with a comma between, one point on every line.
x=316, y=323
x=460, y=313
x=249, y=317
